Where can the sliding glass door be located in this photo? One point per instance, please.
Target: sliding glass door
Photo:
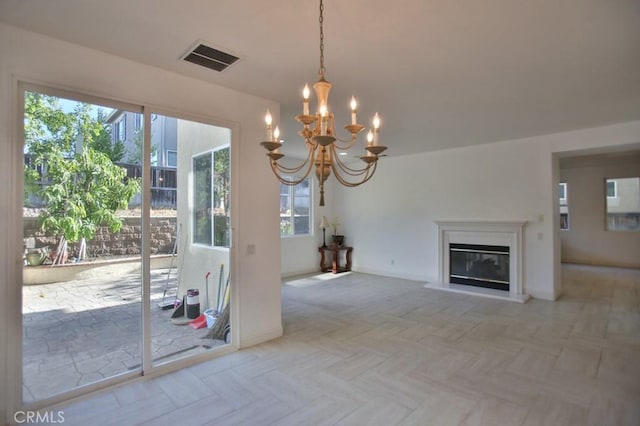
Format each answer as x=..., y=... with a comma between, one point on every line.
x=114, y=282
x=191, y=294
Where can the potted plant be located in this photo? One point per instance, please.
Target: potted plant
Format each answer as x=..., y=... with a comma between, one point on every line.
x=337, y=238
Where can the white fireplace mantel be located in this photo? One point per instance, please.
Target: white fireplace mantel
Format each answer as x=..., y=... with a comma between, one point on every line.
x=483, y=232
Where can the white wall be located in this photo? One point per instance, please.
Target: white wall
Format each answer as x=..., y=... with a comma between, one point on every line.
x=256, y=277
x=390, y=220
x=587, y=240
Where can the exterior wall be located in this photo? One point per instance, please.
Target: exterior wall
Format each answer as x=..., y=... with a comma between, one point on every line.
x=196, y=260
x=587, y=240
x=26, y=56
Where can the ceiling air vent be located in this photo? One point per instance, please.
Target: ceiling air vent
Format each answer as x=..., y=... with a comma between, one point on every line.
x=209, y=57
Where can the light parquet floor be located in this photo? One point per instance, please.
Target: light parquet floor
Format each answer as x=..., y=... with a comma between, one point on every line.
x=368, y=350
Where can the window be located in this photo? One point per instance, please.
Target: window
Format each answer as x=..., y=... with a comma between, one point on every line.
x=172, y=158
x=563, y=191
x=137, y=121
x=612, y=188
x=564, y=207
x=211, y=179
x=623, y=204
x=295, y=208
x=120, y=133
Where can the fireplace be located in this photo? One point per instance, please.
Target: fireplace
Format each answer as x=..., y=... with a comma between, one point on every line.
x=483, y=258
x=479, y=265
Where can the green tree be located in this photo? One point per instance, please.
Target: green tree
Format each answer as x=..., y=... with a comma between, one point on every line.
x=83, y=193
x=70, y=171
x=102, y=140
x=222, y=178
x=135, y=156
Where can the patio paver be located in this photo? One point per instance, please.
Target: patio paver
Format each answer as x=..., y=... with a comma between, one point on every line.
x=79, y=332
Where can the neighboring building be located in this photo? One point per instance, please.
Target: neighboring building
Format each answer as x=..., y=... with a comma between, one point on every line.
x=126, y=126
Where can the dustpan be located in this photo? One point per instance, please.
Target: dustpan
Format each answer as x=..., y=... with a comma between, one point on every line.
x=199, y=322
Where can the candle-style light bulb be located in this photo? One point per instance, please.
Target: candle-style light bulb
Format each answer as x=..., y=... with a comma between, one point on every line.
x=323, y=119
x=268, y=119
x=276, y=138
x=305, y=100
x=376, y=127
x=369, y=137
x=354, y=105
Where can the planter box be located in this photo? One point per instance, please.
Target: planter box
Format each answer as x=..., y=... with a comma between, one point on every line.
x=46, y=274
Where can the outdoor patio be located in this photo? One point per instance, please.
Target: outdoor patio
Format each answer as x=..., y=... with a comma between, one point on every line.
x=79, y=332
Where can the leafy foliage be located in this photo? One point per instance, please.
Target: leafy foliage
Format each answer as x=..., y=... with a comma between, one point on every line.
x=135, y=156
x=84, y=193
x=102, y=142
x=72, y=168
x=222, y=178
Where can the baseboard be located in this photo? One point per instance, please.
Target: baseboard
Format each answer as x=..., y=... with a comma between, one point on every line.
x=420, y=278
x=544, y=295
x=292, y=274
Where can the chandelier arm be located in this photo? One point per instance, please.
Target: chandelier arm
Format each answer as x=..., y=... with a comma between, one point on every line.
x=370, y=170
x=350, y=170
x=289, y=182
x=350, y=142
x=297, y=168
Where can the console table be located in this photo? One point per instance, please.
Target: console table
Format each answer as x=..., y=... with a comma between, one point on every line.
x=334, y=252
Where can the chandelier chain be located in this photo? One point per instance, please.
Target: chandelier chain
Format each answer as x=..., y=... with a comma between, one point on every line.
x=321, y=21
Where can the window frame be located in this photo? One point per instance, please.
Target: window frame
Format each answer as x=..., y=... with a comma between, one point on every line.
x=621, y=214
x=137, y=122
x=121, y=129
x=563, y=201
x=292, y=216
x=168, y=156
x=615, y=188
x=211, y=245
x=563, y=191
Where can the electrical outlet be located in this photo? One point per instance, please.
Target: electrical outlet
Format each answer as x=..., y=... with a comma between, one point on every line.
x=251, y=249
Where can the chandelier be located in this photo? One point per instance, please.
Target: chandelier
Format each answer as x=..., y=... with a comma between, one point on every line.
x=323, y=145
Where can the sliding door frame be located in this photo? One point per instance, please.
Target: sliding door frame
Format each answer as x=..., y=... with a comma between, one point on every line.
x=14, y=347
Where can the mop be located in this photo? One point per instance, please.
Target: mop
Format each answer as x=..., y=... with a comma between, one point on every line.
x=165, y=304
x=218, y=309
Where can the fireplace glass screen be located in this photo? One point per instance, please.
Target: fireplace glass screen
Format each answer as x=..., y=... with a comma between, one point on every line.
x=479, y=265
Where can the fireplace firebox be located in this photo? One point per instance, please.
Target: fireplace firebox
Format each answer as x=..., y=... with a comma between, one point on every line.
x=479, y=265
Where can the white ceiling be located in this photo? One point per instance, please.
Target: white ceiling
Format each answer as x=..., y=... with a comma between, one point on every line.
x=441, y=73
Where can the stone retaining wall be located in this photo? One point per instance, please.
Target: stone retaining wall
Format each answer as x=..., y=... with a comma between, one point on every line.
x=126, y=242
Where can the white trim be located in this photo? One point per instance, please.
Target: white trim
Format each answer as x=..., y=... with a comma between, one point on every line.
x=147, y=334
x=504, y=233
